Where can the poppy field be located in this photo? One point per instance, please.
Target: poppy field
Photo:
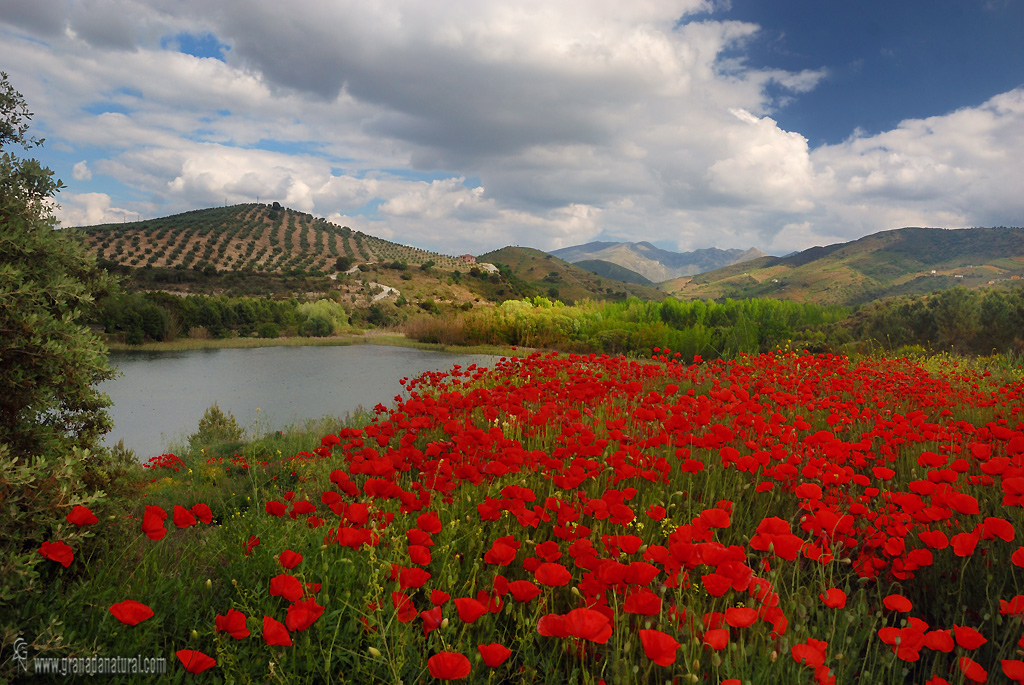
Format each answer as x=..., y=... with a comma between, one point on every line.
x=782, y=518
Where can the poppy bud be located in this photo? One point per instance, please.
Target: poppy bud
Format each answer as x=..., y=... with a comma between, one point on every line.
x=374, y=652
x=444, y=623
x=195, y=634
x=209, y=584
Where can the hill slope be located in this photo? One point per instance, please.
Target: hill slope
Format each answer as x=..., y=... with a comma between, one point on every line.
x=613, y=271
x=654, y=263
x=897, y=262
x=252, y=237
x=557, y=279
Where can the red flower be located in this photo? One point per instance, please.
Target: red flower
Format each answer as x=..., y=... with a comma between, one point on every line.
x=469, y=609
x=153, y=523
x=429, y=523
x=659, y=647
x=968, y=638
x=964, y=544
x=302, y=615
x=289, y=559
x=58, y=551
x=202, y=512
x=419, y=554
x=195, y=662
x=404, y=606
x=552, y=625
x=500, y=554
x=431, y=620
x=81, y=516
x=183, y=518
x=523, y=590
x=834, y=598
x=233, y=623
x=897, y=603
x=131, y=612
x=448, y=666
x=939, y=640
x=274, y=633
x=552, y=575
x=588, y=624
x=275, y=508
x=972, y=670
x=1013, y=669
x=284, y=585
x=412, y=578
x=251, y=544
x=811, y=653
x=644, y=602
x=740, y=617
x=494, y=654
x=717, y=638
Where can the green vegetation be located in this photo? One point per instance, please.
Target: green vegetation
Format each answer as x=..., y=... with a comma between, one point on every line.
x=633, y=326
x=51, y=416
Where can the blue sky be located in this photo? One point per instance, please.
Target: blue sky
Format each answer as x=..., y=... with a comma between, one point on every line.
x=471, y=125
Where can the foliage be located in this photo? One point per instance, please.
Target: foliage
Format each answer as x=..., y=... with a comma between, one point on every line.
x=215, y=427
x=51, y=415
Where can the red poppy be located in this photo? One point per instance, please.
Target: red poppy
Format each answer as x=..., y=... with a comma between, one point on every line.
x=284, y=585
x=740, y=617
x=233, y=623
x=81, y=516
x=972, y=670
x=469, y=609
x=968, y=638
x=153, y=523
x=131, y=612
x=834, y=598
x=523, y=590
x=406, y=610
x=500, y=554
x=964, y=544
x=183, y=518
x=429, y=523
x=289, y=559
x=1014, y=607
x=494, y=654
x=552, y=625
x=412, y=578
x=588, y=624
x=195, y=662
x=419, y=554
x=811, y=653
x=717, y=638
x=275, y=508
x=661, y=648
x=302, y=614
x=439, y=597
x=1013, y=669
x=274, y=633
x=58, y=551
x=448, y=666
x=642, y=601
x=552, y=575
x=939, y=640
x=251, y=544
x=431, y=620
x=897, y=603
x=202, y=512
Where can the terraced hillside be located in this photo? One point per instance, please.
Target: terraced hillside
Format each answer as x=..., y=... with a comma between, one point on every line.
x=252, y=237
x=905, y=261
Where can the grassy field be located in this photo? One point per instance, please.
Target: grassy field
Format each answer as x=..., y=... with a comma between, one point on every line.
x=783, y=518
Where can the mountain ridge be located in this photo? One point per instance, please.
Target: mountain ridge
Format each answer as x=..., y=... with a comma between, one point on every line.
x=653, y=263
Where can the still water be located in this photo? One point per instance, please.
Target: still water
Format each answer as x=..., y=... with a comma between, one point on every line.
x=159, y=397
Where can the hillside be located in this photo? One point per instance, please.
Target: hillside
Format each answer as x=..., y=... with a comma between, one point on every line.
x=653, y=263
x=898, y=262
x=613, y=271
x=258, y=249
x=254, y=238
x=557, y=279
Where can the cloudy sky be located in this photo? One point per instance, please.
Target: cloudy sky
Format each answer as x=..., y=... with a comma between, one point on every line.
x=467, y=125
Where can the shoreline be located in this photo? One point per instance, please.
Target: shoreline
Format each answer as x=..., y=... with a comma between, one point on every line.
x=385, y=339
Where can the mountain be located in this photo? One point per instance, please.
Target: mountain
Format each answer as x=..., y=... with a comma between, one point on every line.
x=551, y=277
x=898, y=262
x=653, y=263
x=613, y=271
x=259, y=249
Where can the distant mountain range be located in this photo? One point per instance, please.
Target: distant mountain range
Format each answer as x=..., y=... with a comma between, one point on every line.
x=905, y=261
x=650, y=262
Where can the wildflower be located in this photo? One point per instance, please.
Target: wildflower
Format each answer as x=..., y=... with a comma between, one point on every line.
x=131, y=612
x=58, y=551
x=195, y=662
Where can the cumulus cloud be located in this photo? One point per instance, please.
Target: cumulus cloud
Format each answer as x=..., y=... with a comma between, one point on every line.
x=465, y=126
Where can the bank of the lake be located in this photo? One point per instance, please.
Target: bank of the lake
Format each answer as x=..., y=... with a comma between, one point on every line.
x=388, y=339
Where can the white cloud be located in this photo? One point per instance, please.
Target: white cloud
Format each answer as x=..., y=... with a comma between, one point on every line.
x=465, y=126
x=81, y=172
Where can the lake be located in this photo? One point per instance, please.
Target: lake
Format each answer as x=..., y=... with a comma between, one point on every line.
x=159, y=397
